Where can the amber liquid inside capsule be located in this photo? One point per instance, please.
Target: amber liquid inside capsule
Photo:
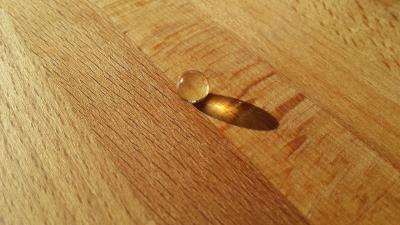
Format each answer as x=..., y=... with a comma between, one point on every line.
x=193, y=86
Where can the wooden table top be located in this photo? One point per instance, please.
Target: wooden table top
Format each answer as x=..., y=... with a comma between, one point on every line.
x=93, y=132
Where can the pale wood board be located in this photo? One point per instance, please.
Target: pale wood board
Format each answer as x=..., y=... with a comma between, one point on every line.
x=91, y=132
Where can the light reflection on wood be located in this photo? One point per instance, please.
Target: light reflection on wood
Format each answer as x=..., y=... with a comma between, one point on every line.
x=237, y=112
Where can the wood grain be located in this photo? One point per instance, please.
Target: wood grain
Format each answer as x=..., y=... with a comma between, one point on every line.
x=53, y=171
x=320, y=164
x=91, y=133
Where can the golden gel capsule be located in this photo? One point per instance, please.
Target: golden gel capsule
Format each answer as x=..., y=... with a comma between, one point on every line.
x=193, y=86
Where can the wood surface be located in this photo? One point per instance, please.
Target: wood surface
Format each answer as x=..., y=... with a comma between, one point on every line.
x=92, y=132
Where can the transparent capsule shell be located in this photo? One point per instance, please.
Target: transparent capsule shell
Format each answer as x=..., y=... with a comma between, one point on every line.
x=193, y=86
